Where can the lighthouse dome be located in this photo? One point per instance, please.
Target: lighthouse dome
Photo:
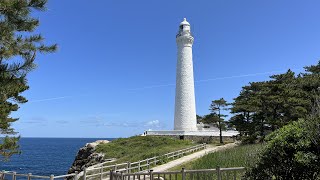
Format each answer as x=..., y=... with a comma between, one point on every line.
x=185, y=22
x=184, y=29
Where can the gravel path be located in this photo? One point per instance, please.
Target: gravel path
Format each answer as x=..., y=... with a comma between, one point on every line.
x=196, y=155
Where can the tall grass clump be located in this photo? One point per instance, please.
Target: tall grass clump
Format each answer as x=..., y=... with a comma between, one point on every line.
x=241, y=156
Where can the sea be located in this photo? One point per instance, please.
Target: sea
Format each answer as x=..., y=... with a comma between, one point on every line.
x=46, y=156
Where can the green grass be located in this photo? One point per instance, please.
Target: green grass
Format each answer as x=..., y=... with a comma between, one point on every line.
x=240, y=156
x=141, y=147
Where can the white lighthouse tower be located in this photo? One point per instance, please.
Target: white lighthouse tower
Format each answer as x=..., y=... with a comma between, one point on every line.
x=185, y=108
x=185, y=123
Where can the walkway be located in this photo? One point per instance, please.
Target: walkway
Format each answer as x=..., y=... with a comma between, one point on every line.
x=196, y=155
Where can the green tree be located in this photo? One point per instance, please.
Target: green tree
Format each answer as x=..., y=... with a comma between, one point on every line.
x=211, y=118
x=199, y=118
x=266, y=106
x=309, y=82
x=244, y=107
x=19, y=46
x=288, y=151
x=216, y=107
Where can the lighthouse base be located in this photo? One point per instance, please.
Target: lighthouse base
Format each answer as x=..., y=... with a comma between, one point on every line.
x=197, y=136
x=190, y=133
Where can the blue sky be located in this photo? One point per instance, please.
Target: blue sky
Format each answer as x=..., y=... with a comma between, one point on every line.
x=114, y=72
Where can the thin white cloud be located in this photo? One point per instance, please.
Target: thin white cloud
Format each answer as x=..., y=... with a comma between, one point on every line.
x=172, y=84
x=62, y=122
x=50, y=99
x=214, y=79
x=99, y=121
x=153, y=123
x=93, y=120
x=34, y=121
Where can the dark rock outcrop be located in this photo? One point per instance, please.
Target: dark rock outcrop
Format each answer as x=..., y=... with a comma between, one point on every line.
x=87, y=157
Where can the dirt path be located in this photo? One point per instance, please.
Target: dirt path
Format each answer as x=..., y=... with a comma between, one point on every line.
x=196, y=155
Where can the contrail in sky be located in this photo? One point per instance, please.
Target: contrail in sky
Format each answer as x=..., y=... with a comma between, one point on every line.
x=214, y=79
x=244, y=75
x=165, y=85
x=50, y=99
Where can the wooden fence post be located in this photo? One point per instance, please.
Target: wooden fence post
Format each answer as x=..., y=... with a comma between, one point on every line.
x=85, y=173
x=101, y=173
x=139, y=166
x=75, y=177
x=29, y=176
x=2, y=174
x=51, y=177
x=183, y=174
x=148, y=163
x=151, y=174
x=155, y=160
x=14, y=176
x=218, y=173
x=111, y=174
x=128, y=166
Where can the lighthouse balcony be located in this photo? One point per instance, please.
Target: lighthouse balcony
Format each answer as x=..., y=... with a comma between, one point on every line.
x=184, y=33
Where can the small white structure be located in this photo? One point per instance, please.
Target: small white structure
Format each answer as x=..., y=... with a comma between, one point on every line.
x=185, y=106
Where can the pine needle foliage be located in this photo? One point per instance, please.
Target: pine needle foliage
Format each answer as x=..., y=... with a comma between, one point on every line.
x=19, y=46
x=263, y=107
x=216, y=108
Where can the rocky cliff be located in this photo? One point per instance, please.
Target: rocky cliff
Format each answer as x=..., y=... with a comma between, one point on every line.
x=87, y=157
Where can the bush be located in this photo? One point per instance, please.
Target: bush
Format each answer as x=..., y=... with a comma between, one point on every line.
x=251, y=139
x=292, y=152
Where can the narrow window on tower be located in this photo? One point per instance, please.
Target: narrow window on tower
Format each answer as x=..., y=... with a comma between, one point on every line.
x=181, y=27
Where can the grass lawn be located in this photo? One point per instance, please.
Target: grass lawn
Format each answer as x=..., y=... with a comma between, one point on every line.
x=141, y=147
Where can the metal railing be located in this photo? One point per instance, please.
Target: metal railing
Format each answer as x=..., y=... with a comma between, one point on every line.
x=201, y=174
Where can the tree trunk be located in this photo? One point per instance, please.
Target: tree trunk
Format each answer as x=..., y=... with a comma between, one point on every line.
x=220, y=128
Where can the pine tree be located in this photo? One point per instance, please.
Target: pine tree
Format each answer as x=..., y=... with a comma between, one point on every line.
x=269, y=105
x=18, y=49
x=216, y=107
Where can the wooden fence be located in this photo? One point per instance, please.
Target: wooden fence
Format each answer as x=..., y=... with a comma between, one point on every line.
x=4, y=175
x=202, y=174
x=102, y=170
x=233, y=173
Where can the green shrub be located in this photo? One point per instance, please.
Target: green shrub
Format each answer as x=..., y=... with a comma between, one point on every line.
x=292, y=152
x=251, y=139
